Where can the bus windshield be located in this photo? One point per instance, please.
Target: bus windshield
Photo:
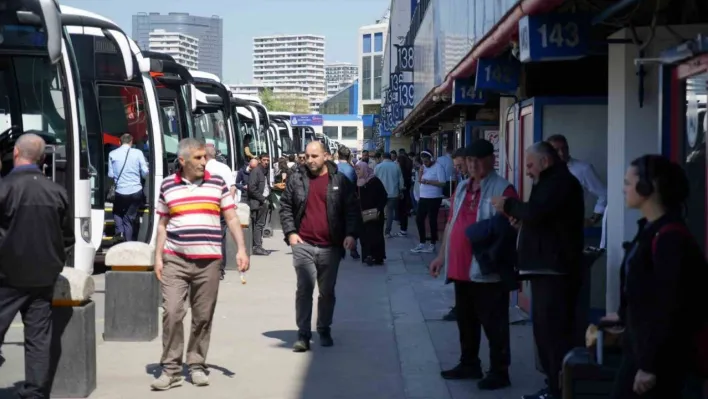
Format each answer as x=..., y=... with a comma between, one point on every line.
x=33, y=97
x=210, y=126
x=285, y=141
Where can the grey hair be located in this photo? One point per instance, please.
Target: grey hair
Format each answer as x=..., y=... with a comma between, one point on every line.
x=211, y=151
x=186, y=146
x=544, y=150
x=30, y=147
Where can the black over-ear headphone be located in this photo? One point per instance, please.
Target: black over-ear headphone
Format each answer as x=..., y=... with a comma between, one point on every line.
x=645, y=185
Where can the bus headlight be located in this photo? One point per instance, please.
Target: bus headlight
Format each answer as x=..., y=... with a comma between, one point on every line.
x=85, y=224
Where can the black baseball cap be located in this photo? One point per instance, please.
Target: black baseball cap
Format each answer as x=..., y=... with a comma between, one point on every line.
x=480, y=148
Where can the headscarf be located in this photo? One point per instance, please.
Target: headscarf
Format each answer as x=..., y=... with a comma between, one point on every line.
x=366, y=173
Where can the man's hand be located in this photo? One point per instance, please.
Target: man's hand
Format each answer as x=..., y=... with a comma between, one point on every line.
x=435, y=266
x=643, y=382
x=294, y=239
x=242, y=260
x=498, y=203
x=158, y=269
x=515, y=223
x=349, y=243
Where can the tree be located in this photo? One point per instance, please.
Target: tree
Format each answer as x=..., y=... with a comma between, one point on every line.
x=282, y=102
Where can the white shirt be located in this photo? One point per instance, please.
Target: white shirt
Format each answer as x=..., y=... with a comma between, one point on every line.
x=448, y=166
x=434, y=172
x=585, y=173
x=222, y=170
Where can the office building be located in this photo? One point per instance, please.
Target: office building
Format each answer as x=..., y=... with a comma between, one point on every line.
x=292, y=64
x=339, y=75
x=183, y=48
x=208, y=30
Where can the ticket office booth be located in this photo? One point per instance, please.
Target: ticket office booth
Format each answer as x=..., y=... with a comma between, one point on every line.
x=583, y=121
x=684, y=125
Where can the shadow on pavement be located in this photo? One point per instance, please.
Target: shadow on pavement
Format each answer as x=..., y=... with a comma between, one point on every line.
x=287, y=337
x=155, y=369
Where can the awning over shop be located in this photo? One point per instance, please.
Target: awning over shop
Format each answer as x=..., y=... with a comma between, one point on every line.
x=494, y=42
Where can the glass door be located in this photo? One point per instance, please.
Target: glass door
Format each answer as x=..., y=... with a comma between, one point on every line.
x=690, y=91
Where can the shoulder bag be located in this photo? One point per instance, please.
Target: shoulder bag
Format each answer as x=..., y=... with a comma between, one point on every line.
x=367, y=215
x=111, y=196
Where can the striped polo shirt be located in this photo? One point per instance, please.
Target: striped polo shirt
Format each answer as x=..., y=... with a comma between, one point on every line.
x=194, y=228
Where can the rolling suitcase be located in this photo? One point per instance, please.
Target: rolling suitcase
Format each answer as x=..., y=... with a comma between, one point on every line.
x=585, y=376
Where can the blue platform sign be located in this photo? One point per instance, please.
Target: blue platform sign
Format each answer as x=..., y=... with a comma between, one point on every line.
x=498, y=75
x=464, y=93
x=306, y=120
x=406, y=95
x=405, y=56
x=553, y=37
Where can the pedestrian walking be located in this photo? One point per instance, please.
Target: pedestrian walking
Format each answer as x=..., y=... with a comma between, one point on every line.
x=258, y=193
x=550, y=255
x=187, y=259
x=31, y=258
x=320, y=216
x=389, y=173
x=432, y=179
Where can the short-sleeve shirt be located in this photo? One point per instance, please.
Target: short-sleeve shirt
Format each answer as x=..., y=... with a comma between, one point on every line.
x=435, y=172
x=194, y=210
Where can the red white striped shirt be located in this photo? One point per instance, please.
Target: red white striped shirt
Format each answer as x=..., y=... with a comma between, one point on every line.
x=194, y=210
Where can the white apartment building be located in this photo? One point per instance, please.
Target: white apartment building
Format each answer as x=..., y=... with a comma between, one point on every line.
x=293, y=64
x=339, y=75
x=253, y=89
x=371, y=54
x=183, y=48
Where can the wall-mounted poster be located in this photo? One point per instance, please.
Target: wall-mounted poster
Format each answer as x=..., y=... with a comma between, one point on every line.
x=493, y=137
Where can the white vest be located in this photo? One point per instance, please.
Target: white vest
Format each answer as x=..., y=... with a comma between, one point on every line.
x=492, y=186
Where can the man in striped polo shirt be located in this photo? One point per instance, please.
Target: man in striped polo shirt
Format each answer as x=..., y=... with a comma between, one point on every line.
x=187, y=258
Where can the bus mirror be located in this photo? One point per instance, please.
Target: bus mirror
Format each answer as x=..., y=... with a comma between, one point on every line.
x=193, y=97
x=144, y=65
x=155, y=65
x=121, y=42
x=52, y=22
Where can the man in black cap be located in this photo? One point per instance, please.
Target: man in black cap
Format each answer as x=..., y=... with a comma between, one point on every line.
x=484, y=278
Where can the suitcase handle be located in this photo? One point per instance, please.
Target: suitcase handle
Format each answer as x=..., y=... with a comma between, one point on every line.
x=602, y=326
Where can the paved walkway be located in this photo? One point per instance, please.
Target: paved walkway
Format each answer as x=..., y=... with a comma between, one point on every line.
x=389, y=340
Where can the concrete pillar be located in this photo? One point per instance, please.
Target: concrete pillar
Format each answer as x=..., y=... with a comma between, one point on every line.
x=132, y=293
x=632, y=132
x=73, y=360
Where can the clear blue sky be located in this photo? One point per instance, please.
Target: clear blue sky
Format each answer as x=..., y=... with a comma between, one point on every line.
x=337, y=20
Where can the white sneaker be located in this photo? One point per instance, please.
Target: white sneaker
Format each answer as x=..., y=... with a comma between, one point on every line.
x=402, y=234
x=419, y=248
x=388, y=235
x=428, y=249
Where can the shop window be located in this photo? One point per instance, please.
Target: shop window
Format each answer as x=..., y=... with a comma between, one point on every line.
x=349, y=133
x=693, y=154
x=331, y=132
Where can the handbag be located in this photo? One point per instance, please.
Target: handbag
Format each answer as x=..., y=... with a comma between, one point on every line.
x=111, y=195
x=368, y=215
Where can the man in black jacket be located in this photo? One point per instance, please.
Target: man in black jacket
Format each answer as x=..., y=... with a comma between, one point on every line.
x=242, y=179
x=258, y=192
x=320, y=216
x=550, y=249
x=32, y=257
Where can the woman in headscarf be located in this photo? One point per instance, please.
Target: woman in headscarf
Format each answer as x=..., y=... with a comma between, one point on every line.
x=372, y=197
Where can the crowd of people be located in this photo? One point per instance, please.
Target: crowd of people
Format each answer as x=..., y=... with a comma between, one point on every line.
x=492, y=240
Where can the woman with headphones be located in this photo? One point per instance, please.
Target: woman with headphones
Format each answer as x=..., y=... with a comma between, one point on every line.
x=663, y=275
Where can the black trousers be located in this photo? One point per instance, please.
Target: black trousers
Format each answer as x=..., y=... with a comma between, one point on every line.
x=553, y=305
x=428, y=209
x=404, y=208
x=671, y=374
x=483, y=306
x=258, y=221
x=35, y=306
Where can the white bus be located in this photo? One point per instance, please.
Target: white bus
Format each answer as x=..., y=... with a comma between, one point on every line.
x=119, y=97
x=41, y=95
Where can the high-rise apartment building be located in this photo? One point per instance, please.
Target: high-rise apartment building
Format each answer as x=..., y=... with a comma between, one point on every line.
x=183, y=48
x=339, y=75
x=209, y=31
x=292, y=64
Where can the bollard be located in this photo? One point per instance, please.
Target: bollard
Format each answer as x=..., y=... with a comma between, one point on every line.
x=73, y=355
x=243, y=211
x=132, y=293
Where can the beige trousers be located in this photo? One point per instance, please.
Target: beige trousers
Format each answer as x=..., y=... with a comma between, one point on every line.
x=198, y=278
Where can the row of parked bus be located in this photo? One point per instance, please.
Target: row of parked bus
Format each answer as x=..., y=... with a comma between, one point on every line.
x=76, y=79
